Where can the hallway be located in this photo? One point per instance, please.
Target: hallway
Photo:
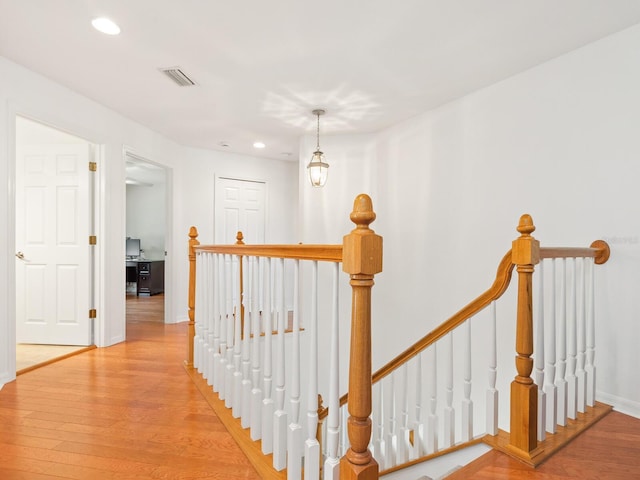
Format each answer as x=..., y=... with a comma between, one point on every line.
x=124, y=412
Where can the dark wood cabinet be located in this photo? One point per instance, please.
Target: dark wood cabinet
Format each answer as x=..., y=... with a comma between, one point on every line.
x=148, y=275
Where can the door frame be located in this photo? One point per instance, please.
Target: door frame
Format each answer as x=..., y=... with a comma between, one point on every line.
x=98, y=295
x=128, y=151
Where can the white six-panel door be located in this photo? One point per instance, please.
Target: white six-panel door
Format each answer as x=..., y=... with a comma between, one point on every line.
x=239, y=206
x=52, y=243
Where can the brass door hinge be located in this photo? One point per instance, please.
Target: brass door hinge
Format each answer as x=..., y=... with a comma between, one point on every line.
x=93, y=166
x=93, y=240
x=93, y=313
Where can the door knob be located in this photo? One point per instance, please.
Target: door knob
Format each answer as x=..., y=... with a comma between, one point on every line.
x=20, y=255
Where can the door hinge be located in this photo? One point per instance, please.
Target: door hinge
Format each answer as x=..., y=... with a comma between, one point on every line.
x=93, y=166
x=93, y=313
x=93, y=240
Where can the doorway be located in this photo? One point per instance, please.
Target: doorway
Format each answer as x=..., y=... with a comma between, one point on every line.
x=146, y=237
x=54, y=218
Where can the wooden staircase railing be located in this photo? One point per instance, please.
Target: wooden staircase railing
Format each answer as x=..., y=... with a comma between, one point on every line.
x=229, y=317
x=394, y=421
x=525, y=441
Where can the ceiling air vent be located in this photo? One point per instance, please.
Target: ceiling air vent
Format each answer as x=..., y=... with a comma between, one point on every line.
x=178, y=76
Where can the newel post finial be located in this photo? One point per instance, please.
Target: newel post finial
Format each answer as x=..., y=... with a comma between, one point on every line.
x=191, y=331
x=361, y=259
x=525, y=254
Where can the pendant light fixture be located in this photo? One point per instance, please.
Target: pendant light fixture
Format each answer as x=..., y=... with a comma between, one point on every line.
x=318, y=168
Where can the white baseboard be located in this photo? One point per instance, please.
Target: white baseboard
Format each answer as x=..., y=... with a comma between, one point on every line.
x=182, y=318
x=619, y=404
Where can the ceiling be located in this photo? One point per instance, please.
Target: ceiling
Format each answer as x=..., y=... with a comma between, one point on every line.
x=260, y=67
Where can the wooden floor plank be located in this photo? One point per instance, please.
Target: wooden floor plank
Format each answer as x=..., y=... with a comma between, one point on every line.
x=124, y=412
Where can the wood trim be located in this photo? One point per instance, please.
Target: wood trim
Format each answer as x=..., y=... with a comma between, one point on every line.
x=54, y=360
x=327, y=253
x=571, y=252
x=553, y=442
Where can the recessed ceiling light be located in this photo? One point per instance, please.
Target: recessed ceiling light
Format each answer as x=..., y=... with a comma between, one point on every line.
x=105, y=25
x=259, y=145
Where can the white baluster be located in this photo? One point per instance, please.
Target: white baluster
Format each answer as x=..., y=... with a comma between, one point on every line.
x=267, y=403
x=539, y=350
x=561, y=383
x=294, y=448
x=449, y=411
x=332, y=463
x=550, y=357
x=419, y=446
x=581, y=374
x=312, y=446
x=214, y=356
x=208, y=300
x=280, y=416
x=247, y=302
x=388, y=405
x=231, y=332
x=224, y=313
x=256, y=371
x=236, y=403
x=432, y=421
x=377, y=419
x=197, y=339
x=572, y=381
x=467, y=403
x=591, y=335
x=492, y=392
x=402, y=415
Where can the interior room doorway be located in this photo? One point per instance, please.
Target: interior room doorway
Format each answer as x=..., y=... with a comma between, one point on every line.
x=145, y=242
x=54, y=218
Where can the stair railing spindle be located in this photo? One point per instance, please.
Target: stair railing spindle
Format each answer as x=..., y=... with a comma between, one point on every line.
x=492, y=392
x=550, y=356
x=280, y=415
x=561, y=382
x=332, y=463
x=572, y=380
x=581, y=374
x=538, y=328
x=256, y=370
x=591, y=336
x=267, y=317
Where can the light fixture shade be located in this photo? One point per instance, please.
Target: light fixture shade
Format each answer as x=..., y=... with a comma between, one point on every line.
x=318, y=169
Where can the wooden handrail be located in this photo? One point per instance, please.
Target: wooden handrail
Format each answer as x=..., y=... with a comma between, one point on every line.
x=326, y=253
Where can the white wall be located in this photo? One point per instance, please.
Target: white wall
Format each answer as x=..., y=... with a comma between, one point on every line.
x=191, y=175
x=146, y=218
x=560, y=142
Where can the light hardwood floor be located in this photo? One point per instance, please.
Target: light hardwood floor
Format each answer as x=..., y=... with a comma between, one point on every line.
x=610, y=450
x=124, y=412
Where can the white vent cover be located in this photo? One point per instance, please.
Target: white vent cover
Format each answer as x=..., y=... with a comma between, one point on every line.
x=178, y=76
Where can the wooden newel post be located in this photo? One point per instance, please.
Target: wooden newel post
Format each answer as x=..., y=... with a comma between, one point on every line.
x=524, y=393
x=361, y=259
x=193, y=242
